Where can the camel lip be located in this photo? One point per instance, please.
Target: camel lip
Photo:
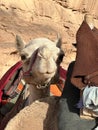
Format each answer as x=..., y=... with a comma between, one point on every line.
x=47, y=75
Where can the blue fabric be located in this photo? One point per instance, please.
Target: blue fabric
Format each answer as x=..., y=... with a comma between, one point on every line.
x=80, y=103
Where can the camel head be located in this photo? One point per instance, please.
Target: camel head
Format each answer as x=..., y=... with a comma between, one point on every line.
x=41, y=59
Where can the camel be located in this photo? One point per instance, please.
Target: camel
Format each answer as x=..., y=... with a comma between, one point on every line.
x=41, y=59
x=54, y=113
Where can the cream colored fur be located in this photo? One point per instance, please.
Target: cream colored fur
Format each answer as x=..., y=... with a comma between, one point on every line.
x=44, y=70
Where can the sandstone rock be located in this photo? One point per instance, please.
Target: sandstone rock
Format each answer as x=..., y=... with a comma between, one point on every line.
x=34, y=18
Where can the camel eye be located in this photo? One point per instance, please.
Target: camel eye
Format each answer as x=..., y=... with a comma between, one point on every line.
x=23, y=57
x=61, y=56
x=27, y=61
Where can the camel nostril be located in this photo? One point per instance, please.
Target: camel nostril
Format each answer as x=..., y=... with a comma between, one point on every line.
x=48, y=72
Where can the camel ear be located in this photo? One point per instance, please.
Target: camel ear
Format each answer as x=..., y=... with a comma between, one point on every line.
x=58, y=41
x=19, y=43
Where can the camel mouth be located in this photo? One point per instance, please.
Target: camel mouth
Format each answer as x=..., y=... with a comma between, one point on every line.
x=47, y=75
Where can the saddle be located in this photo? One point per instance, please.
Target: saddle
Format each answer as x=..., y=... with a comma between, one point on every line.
x=85, y=70
x=86, y=57
x=11, y=86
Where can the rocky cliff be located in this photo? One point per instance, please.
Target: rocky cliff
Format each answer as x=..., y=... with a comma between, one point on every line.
x=41, y=18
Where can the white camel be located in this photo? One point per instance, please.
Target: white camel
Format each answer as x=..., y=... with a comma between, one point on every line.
x=41, y=59
x=46, y=114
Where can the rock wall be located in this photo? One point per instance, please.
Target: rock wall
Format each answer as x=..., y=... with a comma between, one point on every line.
x=42, y=18
x=48, y=8
x=89, y=6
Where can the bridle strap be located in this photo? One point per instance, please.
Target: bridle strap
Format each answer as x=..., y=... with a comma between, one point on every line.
x=33, y=58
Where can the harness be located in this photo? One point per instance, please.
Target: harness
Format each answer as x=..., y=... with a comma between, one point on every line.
x=28, y=72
